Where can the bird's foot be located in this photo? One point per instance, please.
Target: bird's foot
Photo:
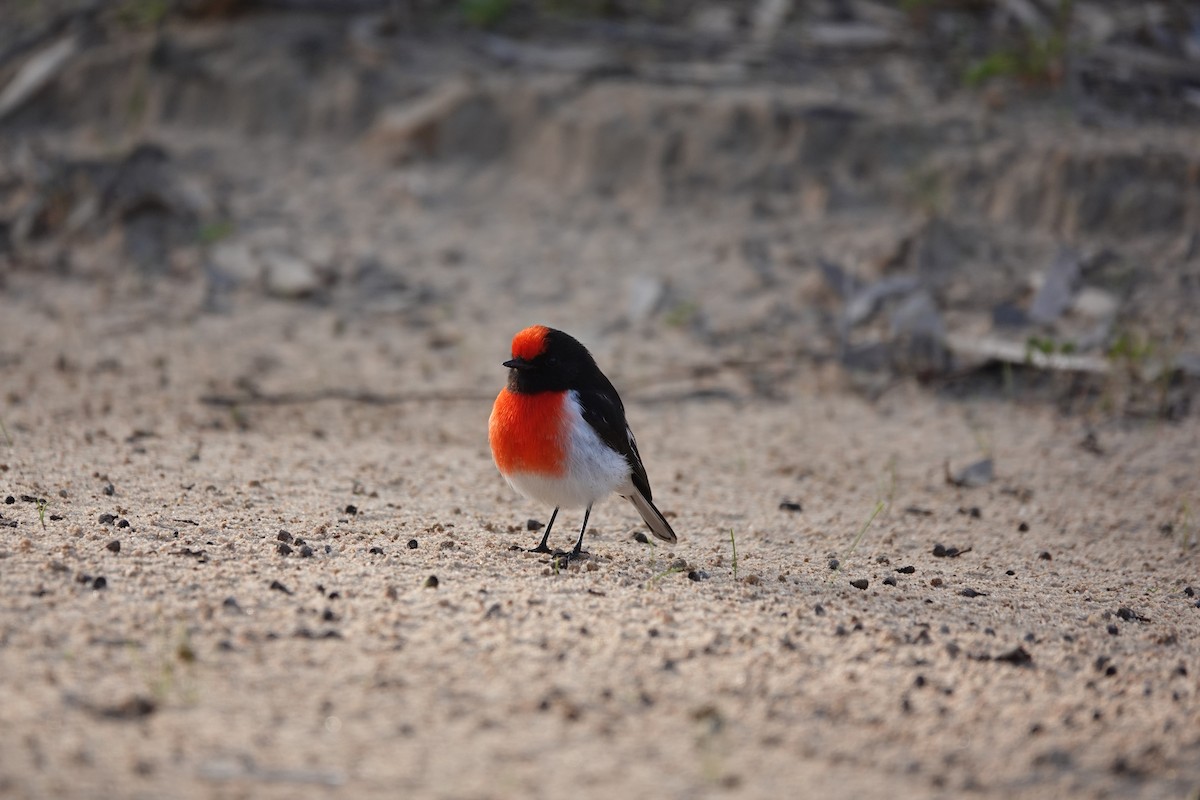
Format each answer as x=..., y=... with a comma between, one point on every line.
x=541, y=548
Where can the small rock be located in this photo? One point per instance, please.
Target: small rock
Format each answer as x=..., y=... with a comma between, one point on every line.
x=834, y=563
x=533, y=525
x=284, y=549
x=969, y=592
x=909, y=570
x=790, y=505
x=1129, y=615
x=107, y=519
x=935, y=582
x=288, y=276
x=412, y=544
x=109, y=489
x=640, y=538
x=122, y=523
x=1113, y=630
x=10, y=500
x=376, y=551
x=230, y=604
x=697, y=575
x=283, y=536
x=352, y=510
x=279, y=587
x=1045, y=555
x=1018, y=657
x=978, y=474
x=890, y=580
x=431, y=582
x=1023, y=527
x=860, y=583
x=100, y=583
x=305, y=551
x=114, y=546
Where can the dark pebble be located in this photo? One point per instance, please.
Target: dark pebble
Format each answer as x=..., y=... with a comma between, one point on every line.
x=840, y=630
x=10, y=500
x=284, y=549
x=352, y=510
x=1129, y=615
x=919, y=681
x=906, y=570
x=100, y=583
x=790, y=505
x=939, y=551
x=28, y=498
x=1018, y=657
x=107, y=519
x=109, y=489
x=969, y=592
x=283, y=536
x=328, y=616
x=1045, y=555
x=1009, y=572
x=279, y=587
x=306, y=552
x=1113, y=630
x=55, y=517
x=834, y=563
x=860, y=583
x=298, y=542
x=1189, y=591
x=1023, y=527
x=122, y=523
x=376, y=551
x=890, y=580
x=231, y=604
x=935, y=582
x=640, y=538
x=697, y=575
x=431, y=582
x=819, y=610
x=412, y=544
x=328, y=549
x=533, y=525
x=114, y=546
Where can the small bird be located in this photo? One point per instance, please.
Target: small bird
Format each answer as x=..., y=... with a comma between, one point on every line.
x=558, y=433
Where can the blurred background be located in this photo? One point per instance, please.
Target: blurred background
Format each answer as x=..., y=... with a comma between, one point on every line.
x=989, y=196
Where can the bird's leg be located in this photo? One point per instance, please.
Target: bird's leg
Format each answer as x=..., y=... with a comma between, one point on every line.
x=542, y=548
x=579, y=551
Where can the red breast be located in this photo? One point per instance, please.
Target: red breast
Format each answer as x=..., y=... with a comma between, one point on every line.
x=528, y=432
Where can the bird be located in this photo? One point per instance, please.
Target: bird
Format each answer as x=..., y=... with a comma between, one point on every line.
x=558, y=434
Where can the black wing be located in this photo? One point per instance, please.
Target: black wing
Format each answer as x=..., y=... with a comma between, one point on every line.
x=603, y=410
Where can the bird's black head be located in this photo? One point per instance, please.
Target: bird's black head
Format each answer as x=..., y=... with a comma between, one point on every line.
x=548, y=360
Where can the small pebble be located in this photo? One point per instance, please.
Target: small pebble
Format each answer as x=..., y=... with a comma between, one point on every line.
x=939, y=551
x=109, y=489
x=100, y=583
x=790, y=505
x=352, y=510
x=819, y=610
x=1009, y=572
x=412, y=544
x=431, y=582
x=305, y=551
x=1023, y=527
x=107, y=519
x=935, y=582
x=284, y=549
x=641, y=538
x=376, y=551
x=114, y=546
x=533, y=525
x=122, y=523
x=283, y=536
x=860, y=583
x=890, y=580
x=1045, y=556
x=279, y=587
x=909, y=570
x=834, y=563
x=969, y=592
x=1113, y=630
x=694, y=575
x=10, y=500
x=1189, y=591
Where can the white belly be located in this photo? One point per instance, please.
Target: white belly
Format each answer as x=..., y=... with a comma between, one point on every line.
x=593, y=472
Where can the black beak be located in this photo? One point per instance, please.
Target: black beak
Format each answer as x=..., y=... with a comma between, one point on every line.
x=518, y=363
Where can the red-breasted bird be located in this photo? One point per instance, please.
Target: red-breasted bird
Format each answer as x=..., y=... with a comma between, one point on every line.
x=558, y=433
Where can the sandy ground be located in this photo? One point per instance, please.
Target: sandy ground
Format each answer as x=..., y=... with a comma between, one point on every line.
x=208, y=664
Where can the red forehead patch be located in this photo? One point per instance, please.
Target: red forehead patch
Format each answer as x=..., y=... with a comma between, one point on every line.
x=530, y=343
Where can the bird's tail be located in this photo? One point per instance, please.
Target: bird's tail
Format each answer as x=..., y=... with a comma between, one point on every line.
x=654, y=518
